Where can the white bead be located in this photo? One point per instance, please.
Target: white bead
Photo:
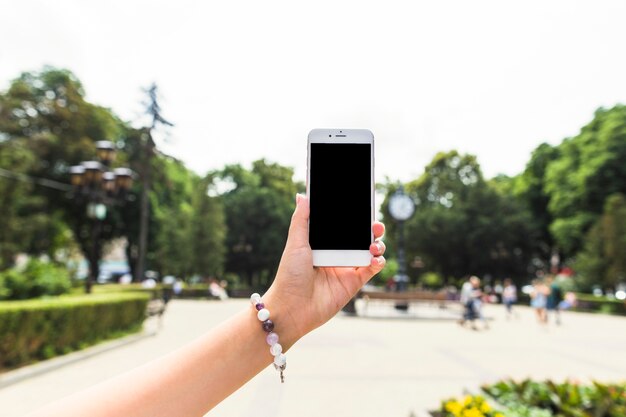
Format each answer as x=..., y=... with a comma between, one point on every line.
x=263, y=314
x=276, y=349
x=255, y=299
x=280, y=359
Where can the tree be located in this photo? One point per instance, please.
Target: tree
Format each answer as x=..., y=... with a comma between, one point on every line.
x=187, y=227
x=462, y=225
x=258, y=210
x=602, y=261
x=530, y=187
x=589, y=168
x=19, y=204
x=46, y=126
x=208, y=231
x=47, y=114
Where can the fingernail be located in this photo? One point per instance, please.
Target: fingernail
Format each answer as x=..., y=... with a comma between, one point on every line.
x=298, y=198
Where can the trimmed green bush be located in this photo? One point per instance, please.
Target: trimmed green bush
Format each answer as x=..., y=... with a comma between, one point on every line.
x=39, y=329
x=36, y=279
x=591, y=303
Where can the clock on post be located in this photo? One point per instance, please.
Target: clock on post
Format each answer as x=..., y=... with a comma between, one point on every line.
x=401, y=208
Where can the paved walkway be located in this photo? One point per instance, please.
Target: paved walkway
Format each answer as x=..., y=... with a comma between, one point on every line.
x=365, y=366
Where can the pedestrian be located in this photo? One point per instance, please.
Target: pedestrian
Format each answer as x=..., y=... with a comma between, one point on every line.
x=216, y=290
x=509, y=296
x=471, y=300
x=195, y=378
x=555, y=296
x=466, y=303
x=479, y=298
x=539, y=300
x=178, y=287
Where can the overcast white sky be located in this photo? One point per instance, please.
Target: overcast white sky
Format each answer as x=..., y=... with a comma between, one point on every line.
x=244, y=80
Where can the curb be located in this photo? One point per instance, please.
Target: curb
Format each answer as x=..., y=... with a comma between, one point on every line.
x=20, y=374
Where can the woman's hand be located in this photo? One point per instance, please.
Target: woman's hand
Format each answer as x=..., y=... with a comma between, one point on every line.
x=305, y=297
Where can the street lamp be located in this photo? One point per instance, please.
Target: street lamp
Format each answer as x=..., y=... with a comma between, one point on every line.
x=105, y=151
x=97, y=187
x=77, y=174
x=123, y=180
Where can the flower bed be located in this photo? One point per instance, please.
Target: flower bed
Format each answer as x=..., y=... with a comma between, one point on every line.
x=540, y=399
x=568, y=399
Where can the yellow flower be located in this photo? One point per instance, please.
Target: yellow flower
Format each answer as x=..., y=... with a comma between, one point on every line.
x=468, y=400
x=499, y=415
x=472, y=412
x=485, y=408
x=454, y=407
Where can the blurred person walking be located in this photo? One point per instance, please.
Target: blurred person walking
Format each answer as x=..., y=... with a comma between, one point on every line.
x=216, y=290
x=466, y=302
x=177, y=287
x=509, y=297
x=539, y=300
x=471, y=300
x=555, y=297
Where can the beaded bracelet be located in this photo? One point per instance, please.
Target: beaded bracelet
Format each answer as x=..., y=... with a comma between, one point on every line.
x=263, y=314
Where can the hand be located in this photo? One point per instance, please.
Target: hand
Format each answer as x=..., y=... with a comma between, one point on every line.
x=307, y=297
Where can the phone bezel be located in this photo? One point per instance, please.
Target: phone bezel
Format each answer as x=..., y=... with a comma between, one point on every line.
x=342, y=258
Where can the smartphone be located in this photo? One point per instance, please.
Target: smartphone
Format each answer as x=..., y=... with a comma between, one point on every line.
x=340, y=188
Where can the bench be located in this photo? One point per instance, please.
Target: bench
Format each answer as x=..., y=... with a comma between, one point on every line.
x=440, y=299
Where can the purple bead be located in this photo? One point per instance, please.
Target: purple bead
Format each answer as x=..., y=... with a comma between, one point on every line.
x=260, y=306
x=271, y=339
x=268, y=325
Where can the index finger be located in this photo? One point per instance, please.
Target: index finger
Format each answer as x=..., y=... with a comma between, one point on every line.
x=379, y=229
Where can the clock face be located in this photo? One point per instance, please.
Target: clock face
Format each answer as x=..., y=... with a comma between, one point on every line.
x=401, y=207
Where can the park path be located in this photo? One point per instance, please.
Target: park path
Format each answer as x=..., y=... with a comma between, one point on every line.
x=364, y=366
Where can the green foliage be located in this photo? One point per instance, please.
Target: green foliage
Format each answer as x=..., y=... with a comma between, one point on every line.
x=46, y=126
x=431, y=280
x=188, y=224
x=462, y=224
x=388, y=272
x=546, y=399
x=602, y=260
x=590, y=167
x=594, y=304
x=208, y=232
x=530, y=187
x=258, y=209
x=38, y=329
x=38, y=278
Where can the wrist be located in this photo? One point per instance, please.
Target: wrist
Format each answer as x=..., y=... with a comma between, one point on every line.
x=285, y=323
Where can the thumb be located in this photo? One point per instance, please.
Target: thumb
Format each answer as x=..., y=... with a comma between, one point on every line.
x=299, y=228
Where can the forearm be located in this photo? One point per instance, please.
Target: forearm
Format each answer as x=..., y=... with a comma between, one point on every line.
x=189, y=381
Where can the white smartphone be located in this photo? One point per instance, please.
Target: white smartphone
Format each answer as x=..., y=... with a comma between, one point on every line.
x=340, y=188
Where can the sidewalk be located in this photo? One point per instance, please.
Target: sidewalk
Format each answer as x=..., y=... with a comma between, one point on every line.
x=364, y=367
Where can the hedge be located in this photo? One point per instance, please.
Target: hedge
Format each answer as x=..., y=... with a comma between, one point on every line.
x=591, y=303
x=32, y=330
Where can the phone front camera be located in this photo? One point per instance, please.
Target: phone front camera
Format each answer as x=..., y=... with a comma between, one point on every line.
x=330, y=136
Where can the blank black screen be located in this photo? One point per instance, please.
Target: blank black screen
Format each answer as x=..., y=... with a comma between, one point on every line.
x=340, y=196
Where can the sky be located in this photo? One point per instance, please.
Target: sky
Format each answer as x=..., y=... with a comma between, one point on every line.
x=244, y=80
